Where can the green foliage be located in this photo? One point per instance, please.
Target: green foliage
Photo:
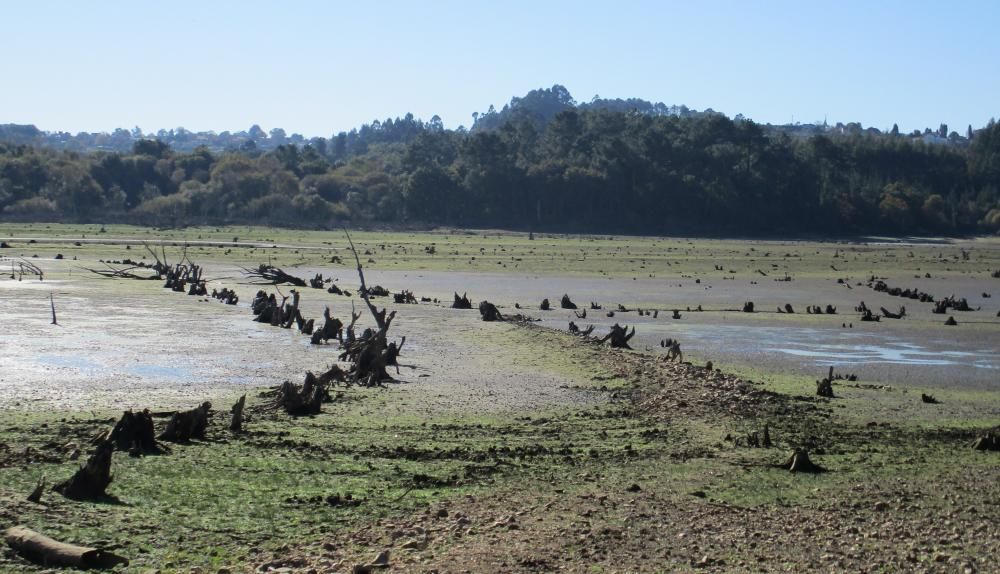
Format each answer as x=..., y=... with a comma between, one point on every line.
x=543, y=162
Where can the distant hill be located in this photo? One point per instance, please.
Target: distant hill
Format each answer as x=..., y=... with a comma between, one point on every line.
x=540, y=106
x=544, y=161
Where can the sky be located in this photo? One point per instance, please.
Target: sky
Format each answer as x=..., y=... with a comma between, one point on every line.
x=317, y=68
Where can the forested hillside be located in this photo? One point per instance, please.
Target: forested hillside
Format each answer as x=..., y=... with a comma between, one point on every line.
x=543, y=162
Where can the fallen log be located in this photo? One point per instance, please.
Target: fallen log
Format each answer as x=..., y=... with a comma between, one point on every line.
x=271, y=275
x=890, y=315
x=46, y=551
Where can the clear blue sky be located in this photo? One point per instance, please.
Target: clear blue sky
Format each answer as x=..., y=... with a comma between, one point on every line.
x=321, y=67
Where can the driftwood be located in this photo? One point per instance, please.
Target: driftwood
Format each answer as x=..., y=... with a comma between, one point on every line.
x=236, y=423
x=890, y=315
x=47, y=552
x=462, y=302
x=186, y=425
x=271, y=275
x=23, y=267
x=619, y=336
x=489, y=312
x=91, y=480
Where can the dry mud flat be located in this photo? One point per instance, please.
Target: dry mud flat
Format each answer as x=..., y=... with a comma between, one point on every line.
x=507, y=447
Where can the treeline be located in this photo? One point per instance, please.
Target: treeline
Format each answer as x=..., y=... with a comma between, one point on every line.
x=588, y=170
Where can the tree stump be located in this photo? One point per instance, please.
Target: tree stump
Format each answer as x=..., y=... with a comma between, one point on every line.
x=236, y=423
x=545, y=305
x=186, y=425
x=489, y=312
x=91, y=480
x=566, y=303
x=990, y=440
x=619, y=337
x=331, y=329
x=134, y=434
x=824, y=387
x=799, y=462
x=461, y=302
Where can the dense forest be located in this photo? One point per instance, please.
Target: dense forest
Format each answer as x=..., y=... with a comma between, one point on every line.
x=543, y=162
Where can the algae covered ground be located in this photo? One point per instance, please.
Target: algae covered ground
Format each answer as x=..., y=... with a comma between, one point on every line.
x=512, y=446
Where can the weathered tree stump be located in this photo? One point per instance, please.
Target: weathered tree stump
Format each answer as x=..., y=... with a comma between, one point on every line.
x=489, y=312
x=236, y=423
x=134, y=434
x=462, y=302
x=990, y=440
x=619, y=337
x=186, y=425
x=404, y=297
x=748, y=307
x=545, y=305
x=91, y=480
x=799, y=462
x=331, y=329
x=566, y=303
x=824, y=387
x=47, y=552
x=36, y=494
x=929, y=399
